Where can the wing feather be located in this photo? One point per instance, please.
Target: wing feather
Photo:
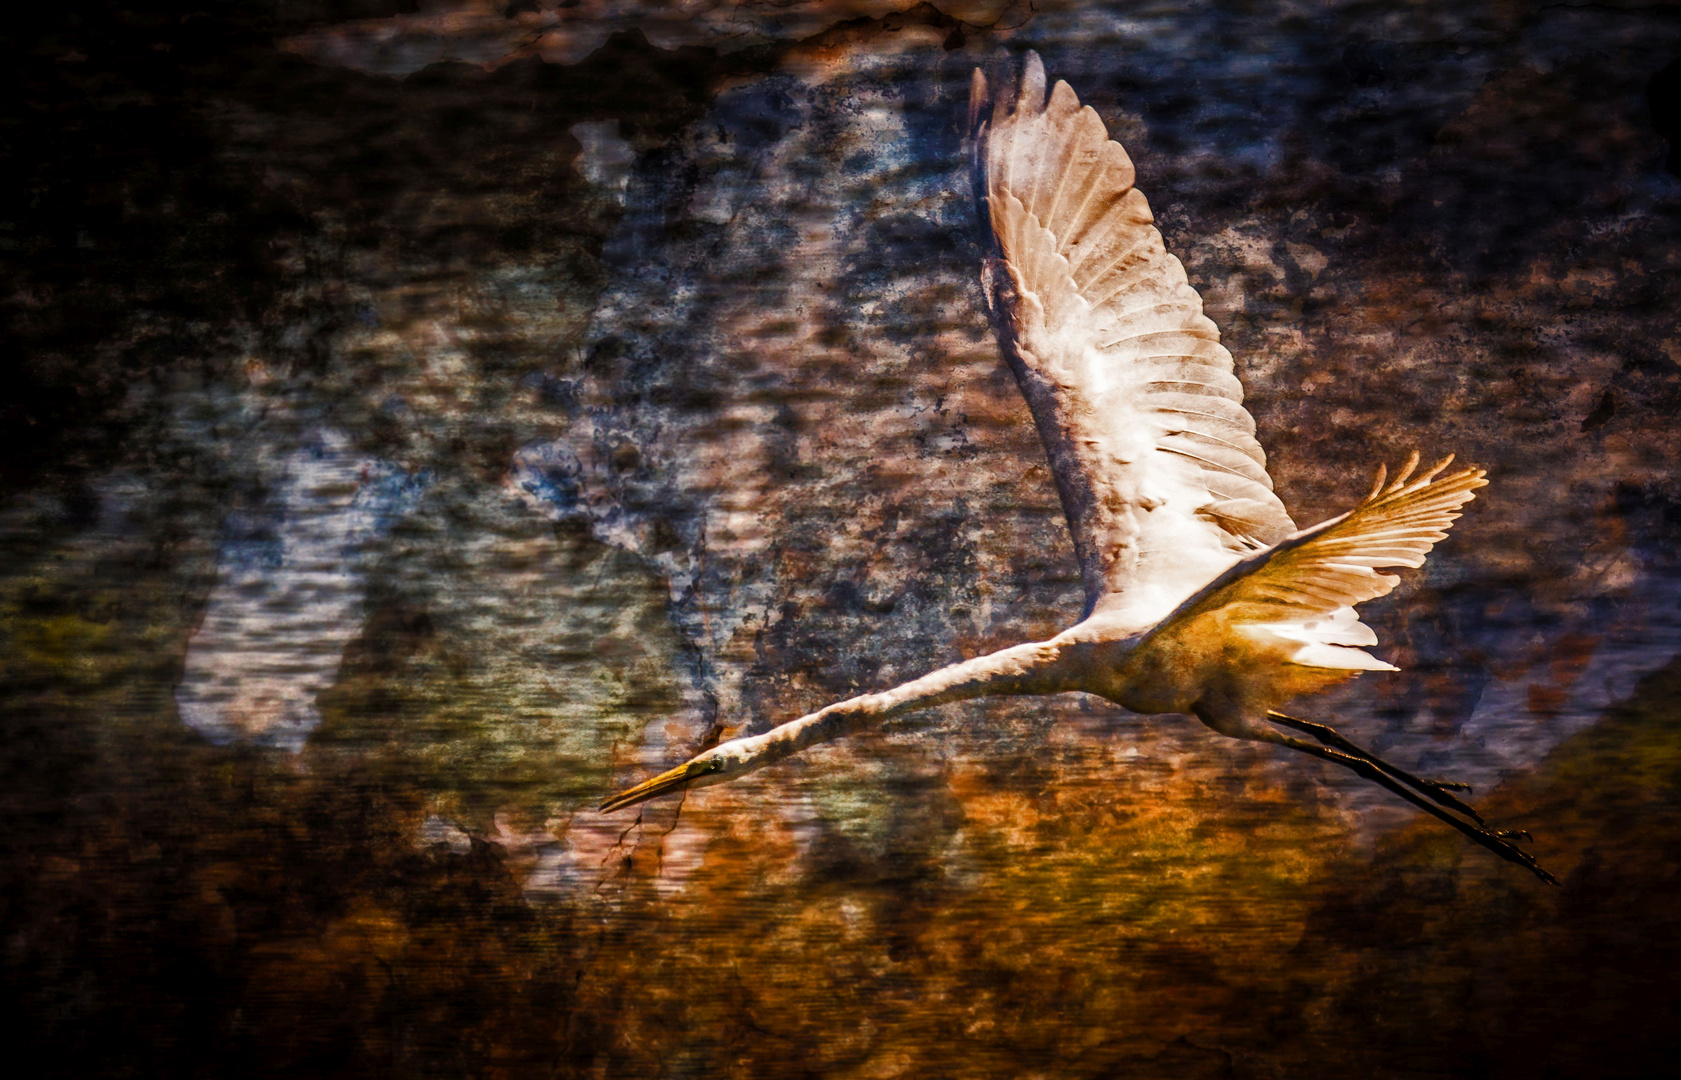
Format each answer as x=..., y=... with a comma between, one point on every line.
x=1142, y=419
x=1118, y=232
x=1335, y=564
x=1214, y=414
x=1212, y=454
x=1106, y=176
x=1215, y=452
x=1064, y=107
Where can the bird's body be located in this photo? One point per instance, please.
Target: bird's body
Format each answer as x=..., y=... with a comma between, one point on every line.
x=1202, y=596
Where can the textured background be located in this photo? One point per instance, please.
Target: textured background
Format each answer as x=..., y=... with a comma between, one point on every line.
x=419, y=420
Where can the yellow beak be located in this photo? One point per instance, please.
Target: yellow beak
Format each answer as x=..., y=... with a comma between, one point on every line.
x=671, y=780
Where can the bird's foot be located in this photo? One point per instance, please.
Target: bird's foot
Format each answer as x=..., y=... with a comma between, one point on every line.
x=1500, y=842
x=1450, y=785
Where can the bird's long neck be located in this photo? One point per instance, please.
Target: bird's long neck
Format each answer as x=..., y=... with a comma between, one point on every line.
x=1032, y=668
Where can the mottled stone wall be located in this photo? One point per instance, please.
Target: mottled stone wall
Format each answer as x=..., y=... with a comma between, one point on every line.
x=421, y=420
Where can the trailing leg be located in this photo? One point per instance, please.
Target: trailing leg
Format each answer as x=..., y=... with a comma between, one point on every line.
x=1498, y=842
x=1439, y=790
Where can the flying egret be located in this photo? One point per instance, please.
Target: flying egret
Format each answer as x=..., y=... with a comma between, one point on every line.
x=1202, y=596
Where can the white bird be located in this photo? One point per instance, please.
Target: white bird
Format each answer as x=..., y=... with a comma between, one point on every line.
x=1202, y=596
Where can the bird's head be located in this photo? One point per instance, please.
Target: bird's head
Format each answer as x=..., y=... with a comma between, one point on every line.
x=714, y=766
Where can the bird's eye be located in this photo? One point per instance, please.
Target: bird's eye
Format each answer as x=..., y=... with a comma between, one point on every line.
x=717, y=764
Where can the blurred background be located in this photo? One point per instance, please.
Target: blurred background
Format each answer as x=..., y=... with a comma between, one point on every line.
x=419, y=420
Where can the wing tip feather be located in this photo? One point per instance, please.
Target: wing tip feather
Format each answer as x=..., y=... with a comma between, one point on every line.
x=1031, y=97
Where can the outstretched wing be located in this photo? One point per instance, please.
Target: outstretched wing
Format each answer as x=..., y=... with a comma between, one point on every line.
x=1155, y=458
x=1303, y=590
